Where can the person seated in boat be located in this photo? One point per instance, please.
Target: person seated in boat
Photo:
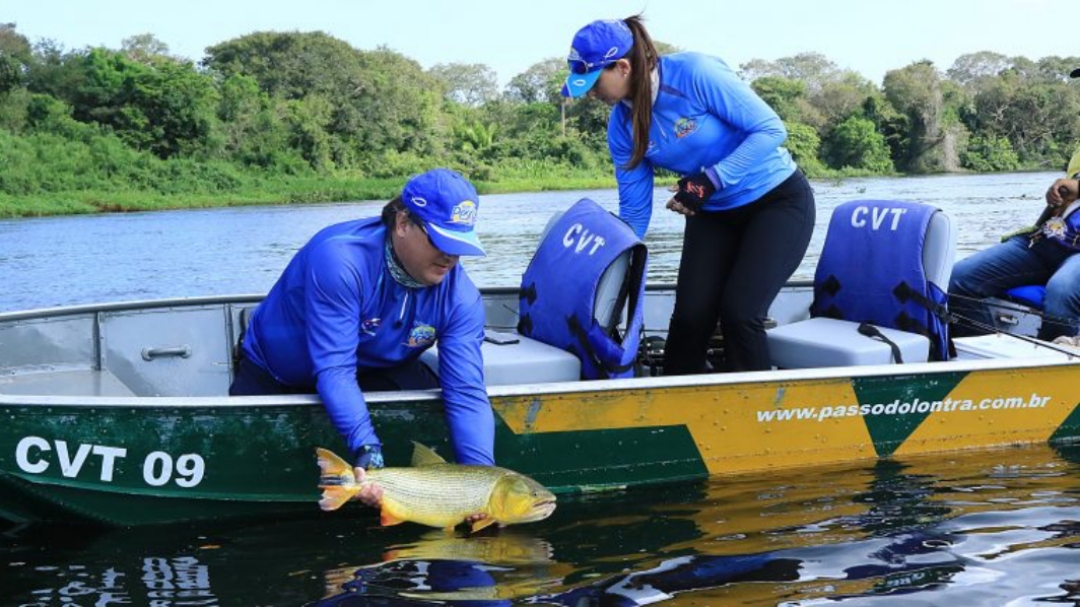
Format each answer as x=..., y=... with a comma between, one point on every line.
x=1042, y=254
x=749, y=210
x=359, y=303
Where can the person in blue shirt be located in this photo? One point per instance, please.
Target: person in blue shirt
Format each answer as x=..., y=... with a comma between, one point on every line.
x=749, y=211
x=357, y=305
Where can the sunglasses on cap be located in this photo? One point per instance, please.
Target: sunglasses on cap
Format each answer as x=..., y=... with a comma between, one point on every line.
x=582, y=67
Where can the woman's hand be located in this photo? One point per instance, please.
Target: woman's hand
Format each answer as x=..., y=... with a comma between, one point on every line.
x=1063, y=192
x=675, y=205
x=370, y=493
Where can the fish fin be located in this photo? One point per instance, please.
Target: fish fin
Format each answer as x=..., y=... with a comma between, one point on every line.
x=387, y=518
x=334, y=496
x=425, y=456
x=482, y=524
x=333, y=466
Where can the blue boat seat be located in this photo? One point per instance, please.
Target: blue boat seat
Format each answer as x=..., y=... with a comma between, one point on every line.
x=583, y=290
x=869, y=335
x=1029, y=295
x=511, y=359
x=611, y=291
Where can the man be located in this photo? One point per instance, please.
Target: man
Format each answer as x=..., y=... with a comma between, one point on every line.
x=1042, y=254
x=357, y=305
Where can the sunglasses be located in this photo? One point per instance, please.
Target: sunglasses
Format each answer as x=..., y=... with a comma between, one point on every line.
x=416, y=221
x=582, y=67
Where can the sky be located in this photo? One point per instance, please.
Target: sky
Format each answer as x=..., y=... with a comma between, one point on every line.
x=870, y=37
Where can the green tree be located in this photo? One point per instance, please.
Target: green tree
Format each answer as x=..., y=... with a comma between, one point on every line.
x=144, y=48
x=165, y=107
x=471, y=84
x=783, y=95
x=541, y=82
x=813, y=69
x=990, y=154
x=857, y=144
x=915, y=91
x=838, y=99
x=804, y=143
x=973, y=68
x=15, y=54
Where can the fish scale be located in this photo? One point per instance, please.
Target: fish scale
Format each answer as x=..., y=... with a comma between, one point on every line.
x=434, y=493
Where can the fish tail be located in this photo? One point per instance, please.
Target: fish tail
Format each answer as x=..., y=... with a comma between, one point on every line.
x=334, y=497
x=338, y=481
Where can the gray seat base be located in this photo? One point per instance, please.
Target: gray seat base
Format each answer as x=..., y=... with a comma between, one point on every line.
x=525, y=361
x=827, y=342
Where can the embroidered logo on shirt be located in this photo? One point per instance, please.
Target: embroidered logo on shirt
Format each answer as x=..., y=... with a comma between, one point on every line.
x=684, y=126
x=370, y=325
x=421, y=336
x=1055, y=228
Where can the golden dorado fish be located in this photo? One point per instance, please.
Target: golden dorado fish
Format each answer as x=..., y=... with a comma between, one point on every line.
x=435, y=493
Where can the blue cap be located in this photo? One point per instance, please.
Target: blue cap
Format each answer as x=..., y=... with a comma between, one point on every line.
x=446, y=203
x=596, y=46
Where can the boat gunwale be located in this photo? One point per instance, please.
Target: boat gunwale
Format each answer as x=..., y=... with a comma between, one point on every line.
x=643, y=384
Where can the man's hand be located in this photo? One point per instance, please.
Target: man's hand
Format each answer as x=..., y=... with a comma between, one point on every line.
x=1063, y=192
x=371, y=493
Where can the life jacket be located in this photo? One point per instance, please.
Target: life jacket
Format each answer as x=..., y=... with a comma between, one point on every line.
x=560, y=288
x=872, y=270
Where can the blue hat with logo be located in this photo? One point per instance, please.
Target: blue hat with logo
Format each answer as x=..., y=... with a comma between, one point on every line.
x=596, y=46
x=446, y=203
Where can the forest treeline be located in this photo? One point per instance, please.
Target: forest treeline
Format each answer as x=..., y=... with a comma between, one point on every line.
x=301, y=116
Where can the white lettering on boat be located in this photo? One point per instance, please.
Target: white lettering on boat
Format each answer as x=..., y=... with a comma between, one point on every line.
x=877, y=218
x=896, y=407
x=579, y=239
x=22, y=455
x=35, y=455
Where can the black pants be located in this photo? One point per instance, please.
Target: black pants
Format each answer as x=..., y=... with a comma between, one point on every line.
x=251, y=379
x=733, y=265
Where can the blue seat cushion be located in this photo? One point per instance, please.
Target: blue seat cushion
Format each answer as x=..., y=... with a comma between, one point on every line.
x=1032, y=295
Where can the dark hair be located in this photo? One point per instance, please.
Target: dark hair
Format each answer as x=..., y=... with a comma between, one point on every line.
x=643, y=60
x=392, y=208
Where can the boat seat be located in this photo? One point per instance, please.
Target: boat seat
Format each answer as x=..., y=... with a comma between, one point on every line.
x=584, y=288
x=611, y=291
x=511, y=359
x=1029, y=295
x=67, y=382
x=824, y=341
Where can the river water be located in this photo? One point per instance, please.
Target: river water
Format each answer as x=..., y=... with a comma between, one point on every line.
x=115, y=257
x=991, y=528
x=975, y=529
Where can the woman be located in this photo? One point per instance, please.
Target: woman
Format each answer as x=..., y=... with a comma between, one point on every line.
x=749, y=211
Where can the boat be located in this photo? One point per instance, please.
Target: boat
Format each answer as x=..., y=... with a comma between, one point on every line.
x=118, y=414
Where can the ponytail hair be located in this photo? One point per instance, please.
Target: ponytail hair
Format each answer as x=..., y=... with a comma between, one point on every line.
x=643, y=60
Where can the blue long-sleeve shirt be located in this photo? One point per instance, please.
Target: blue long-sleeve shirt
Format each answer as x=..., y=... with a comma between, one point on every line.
x=336, y=308
x=705, y=118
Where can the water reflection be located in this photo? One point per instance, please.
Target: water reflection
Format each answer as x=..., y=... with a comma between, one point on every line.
x=442, y=567
x=967, y=529
x=163, y=582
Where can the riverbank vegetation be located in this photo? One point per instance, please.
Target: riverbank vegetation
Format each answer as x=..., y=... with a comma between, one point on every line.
x=295, y=117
